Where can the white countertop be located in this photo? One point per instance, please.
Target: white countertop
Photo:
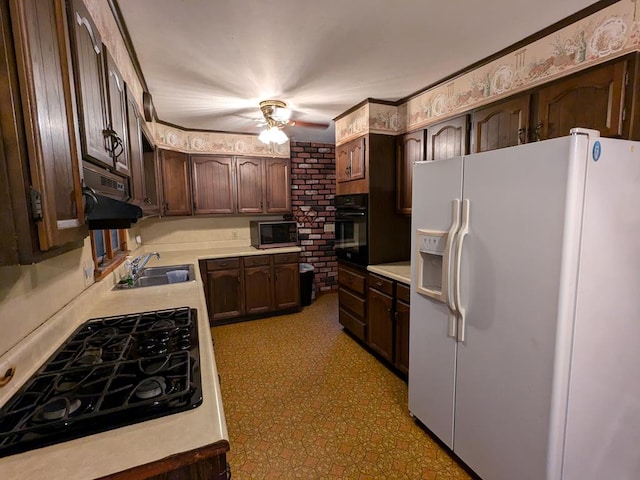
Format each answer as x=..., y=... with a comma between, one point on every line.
x=399, y=271
x=123, y=448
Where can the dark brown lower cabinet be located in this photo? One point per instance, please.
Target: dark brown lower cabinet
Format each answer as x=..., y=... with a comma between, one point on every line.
x=388, y=321
x=286, y=281
x=206, y=463
x=352, y=284
x=401, y=317
x=375, y=310
x=381, y=323
x=241, y=288
x=259, y=297
x=224, y=289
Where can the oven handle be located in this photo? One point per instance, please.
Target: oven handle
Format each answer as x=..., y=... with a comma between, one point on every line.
x=350, y=214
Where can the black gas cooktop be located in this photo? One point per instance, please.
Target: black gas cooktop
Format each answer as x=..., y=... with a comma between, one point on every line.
x=111, y=372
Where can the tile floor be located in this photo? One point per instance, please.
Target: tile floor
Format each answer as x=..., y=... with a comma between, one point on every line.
x=303, y=400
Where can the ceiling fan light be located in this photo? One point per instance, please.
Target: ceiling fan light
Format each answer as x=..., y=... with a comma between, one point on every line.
x=279, y=136
x=281, y=114
x=273, y=135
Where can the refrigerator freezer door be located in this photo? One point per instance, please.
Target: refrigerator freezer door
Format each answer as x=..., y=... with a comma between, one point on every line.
x=432, y=352
x=509, y=287
x=603, y=419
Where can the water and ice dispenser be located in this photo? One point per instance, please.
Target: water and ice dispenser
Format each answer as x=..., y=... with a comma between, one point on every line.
x=432, y=264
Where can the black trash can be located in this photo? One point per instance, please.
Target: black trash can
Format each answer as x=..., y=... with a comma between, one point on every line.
x=307, y=272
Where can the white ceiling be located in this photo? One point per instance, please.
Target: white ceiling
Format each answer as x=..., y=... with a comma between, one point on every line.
x=208, y=63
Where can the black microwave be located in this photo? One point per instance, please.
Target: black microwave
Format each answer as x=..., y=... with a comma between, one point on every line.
x=274, y=234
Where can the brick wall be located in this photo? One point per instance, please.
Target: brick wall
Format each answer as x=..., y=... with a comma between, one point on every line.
x=313, y=187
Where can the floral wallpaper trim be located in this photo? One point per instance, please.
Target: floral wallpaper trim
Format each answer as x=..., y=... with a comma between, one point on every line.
x=216, y=143
x=607, y=34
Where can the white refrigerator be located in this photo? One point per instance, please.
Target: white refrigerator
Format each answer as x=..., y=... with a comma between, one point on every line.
x=524, y=352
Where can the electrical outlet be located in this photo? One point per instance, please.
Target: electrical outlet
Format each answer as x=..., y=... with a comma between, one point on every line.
x=329, y=227
x=87, y=271
x=234, y=235
x=138, y=239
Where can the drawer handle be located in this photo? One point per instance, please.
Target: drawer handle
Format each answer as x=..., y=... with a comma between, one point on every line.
x=379, y=284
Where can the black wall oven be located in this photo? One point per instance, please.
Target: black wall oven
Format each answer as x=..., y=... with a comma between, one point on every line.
x=351, y=228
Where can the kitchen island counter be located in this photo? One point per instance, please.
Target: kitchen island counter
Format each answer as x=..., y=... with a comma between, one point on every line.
x=197, y=433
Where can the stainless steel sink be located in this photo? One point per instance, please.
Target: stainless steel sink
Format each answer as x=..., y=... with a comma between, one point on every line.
x=165, y=275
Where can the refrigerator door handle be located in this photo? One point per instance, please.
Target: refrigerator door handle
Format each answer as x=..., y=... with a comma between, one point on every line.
x=455, y=225
x=464, y=229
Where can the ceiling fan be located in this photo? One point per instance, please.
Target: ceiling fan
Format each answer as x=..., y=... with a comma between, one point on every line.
x=276, y=117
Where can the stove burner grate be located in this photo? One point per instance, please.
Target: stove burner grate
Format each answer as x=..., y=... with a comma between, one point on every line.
x=107, y=375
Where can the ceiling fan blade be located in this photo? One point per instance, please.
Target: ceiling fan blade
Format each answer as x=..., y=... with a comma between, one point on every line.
x=300, y=123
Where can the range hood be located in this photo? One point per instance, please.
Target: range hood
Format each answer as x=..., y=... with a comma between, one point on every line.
x=106, y=197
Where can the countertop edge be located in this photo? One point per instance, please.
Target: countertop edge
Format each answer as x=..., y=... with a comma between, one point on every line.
x=398, y=271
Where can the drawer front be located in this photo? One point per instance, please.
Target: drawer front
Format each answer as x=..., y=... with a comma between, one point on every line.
x=381, y=284
x=352, y=280
x=223, y=264
x=351, y=302
x=403, y=292
x=281, y=258
x=351, y=323
x=257, y=261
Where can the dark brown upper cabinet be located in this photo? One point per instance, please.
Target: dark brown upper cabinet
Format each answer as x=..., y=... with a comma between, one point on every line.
x=277, y=185
x=40, y=163
x=116, y=131
x=89, y=67
x=501, y=124
x=410, y=149
x=593, y=99
x=176, y=183
x=142, y=160
x=250, y=185
x=213, y=184
x=350, y=161
x=448, y=139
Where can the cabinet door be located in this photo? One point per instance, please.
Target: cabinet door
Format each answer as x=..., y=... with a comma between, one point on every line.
x=152, y=173
x=380, y=331
x=410, y=149
x=136, y=156
x=116, y=116
x=90, y=87
x=43, y=60
x=342, y=163
x=500, y=125
x=175, y=183
x=590, y=100
x=350, y=160
x=225, y=294
x=286, y=286
x=357, y=159
x=278, y=185
x=448, y=139
x=258, y=290
x=213, y=185
x=401, y=354
x=250, y=192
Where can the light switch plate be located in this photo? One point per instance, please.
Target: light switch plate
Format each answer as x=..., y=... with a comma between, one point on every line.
x=329, y=227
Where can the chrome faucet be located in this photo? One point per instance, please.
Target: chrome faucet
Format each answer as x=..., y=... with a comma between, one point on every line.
x=138, y=263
